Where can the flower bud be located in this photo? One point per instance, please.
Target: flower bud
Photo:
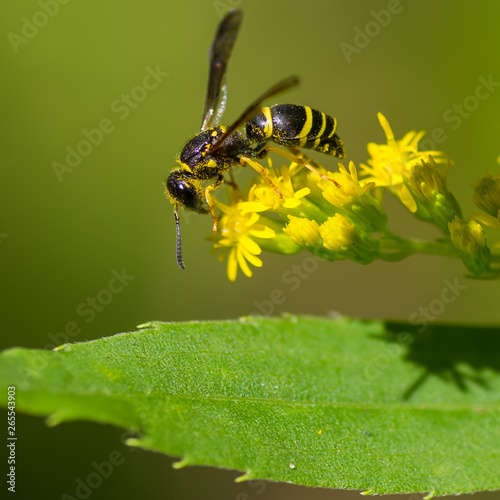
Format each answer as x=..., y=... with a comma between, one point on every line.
x=344, y=241
x=487, y=194
x=353, y=199
x=469, y=239
x=427, y=184
x=303, y=232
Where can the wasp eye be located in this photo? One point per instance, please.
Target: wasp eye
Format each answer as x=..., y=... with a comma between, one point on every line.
x=184, y=192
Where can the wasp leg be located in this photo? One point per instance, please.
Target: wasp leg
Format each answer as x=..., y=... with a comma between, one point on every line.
x=232, y=182
x=300, y=154
x=262, y=171
x=298, y=159
x=210, y=199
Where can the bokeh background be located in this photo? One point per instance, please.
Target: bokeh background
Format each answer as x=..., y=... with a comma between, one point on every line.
x=62, y=237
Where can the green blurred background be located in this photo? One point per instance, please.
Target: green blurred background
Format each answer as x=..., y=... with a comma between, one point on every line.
x=61, y=238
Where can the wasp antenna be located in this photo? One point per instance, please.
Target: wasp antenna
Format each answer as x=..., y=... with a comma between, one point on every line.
x=180, y=262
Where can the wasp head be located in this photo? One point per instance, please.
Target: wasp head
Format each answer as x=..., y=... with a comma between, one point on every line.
x=186, y=191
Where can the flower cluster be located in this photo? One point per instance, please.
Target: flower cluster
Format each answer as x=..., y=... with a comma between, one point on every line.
x=338, y=215
x=243, y=231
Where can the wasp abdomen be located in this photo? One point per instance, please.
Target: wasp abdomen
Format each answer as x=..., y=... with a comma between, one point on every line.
x=296, y=125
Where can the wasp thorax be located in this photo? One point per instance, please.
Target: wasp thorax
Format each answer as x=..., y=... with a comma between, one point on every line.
x=196, y=149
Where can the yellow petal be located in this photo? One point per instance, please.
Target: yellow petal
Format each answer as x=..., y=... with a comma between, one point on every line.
x=291, y=203
x=302, y=192
x=255, y=261
x=285, y=173
x=486, y=219
x=407, y=199
x=232, y=265
x=252, y=206
x=378, y=193
x=243, y=264
x=266, y=232
x=387, y=128
x=411, y=139
x=252, y=220
x=250, y=245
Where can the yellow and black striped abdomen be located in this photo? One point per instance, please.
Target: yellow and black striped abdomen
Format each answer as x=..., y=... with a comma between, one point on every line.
x=298, y=126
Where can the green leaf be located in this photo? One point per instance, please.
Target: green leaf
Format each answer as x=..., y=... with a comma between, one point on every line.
x=332, y=403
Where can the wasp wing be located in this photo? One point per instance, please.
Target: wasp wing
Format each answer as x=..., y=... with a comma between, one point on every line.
x=254, y=108
x=220, y=51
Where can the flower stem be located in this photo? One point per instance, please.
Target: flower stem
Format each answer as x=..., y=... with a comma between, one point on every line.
x=394, y=248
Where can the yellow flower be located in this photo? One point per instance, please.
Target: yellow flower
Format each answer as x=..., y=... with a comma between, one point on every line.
x=304, y=232
x=348, y=187
x=352, y=199
x=388, y=161
x=238, y=230
x=265, y=197
x=425, y=179
x=343, y=240
x=337, y=233
x=303, y=177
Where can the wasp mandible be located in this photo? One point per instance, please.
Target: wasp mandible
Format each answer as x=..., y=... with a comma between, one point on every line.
x=212, y=153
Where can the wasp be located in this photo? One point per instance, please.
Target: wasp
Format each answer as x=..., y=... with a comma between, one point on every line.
x=212, y=153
